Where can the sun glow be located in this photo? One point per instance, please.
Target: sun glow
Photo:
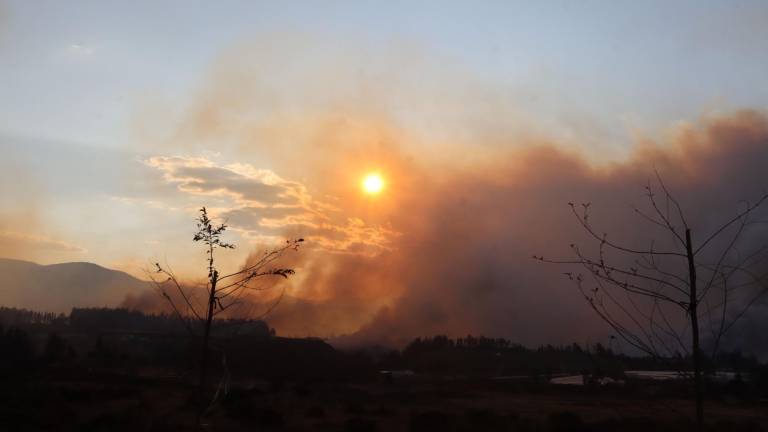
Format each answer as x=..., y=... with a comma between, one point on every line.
x=373, y=183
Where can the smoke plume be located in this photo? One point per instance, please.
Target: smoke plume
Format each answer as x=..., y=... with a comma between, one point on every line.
x=474, y=189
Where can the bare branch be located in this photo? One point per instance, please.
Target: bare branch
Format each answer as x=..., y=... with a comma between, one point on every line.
x=583, y=220
x=671, y=198
x=738, y=217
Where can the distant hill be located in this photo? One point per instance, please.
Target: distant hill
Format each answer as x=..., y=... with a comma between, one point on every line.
x=60, y=287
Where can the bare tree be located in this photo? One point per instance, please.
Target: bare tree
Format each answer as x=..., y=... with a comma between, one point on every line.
x=222, y=292
x=658, y=298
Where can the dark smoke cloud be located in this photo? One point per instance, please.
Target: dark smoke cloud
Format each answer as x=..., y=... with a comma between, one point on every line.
x=463, y=263
x=460, y=262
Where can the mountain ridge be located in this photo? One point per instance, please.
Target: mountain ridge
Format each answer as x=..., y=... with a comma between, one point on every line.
x=60, y=287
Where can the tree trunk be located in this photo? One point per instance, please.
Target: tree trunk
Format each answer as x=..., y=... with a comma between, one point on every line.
x=693, y=311
x=204, y=348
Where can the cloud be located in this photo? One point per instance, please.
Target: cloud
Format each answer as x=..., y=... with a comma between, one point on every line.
x=260, y=204
x=200, y=176
x=79, y=50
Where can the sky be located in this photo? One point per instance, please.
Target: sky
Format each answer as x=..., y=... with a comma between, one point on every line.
x=119, y=120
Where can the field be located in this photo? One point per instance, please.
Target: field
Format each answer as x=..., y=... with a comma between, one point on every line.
x=109, y=402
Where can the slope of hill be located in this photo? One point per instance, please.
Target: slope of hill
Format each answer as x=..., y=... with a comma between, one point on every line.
x=60, y=287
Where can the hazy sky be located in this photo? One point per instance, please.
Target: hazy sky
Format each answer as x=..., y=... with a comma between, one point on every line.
x=119, y=119
x=77, y=71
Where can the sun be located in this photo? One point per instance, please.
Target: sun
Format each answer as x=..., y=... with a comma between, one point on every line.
x=373, y=183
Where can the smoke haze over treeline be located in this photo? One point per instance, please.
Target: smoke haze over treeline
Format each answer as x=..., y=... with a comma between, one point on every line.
x=476, y=184
x=457, y=258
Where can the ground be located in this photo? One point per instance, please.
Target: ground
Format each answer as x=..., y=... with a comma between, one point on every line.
x=117, y=403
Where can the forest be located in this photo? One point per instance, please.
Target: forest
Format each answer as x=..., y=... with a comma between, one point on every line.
x=130, y=359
